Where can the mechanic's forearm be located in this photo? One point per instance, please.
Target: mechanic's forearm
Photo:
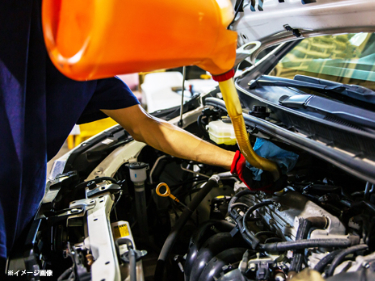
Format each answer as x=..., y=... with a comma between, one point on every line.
x=169, y=138
x=177, y=142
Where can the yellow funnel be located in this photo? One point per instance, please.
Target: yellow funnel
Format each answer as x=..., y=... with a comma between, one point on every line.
x=90, y=39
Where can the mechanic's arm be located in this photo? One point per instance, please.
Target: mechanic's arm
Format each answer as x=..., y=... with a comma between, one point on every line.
x=169, y=138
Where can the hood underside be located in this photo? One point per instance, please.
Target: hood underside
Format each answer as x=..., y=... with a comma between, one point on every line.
x=275, y=21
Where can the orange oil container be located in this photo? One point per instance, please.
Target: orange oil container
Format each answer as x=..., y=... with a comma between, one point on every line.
x=90, y=39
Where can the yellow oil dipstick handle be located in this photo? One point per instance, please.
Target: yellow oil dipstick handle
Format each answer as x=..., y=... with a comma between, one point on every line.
x=232, y=102
x=167, y=193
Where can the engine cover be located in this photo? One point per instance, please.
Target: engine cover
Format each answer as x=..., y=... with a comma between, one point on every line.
x=289, y=207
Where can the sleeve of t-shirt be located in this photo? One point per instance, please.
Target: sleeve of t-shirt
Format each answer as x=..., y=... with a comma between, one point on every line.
x=110, y=93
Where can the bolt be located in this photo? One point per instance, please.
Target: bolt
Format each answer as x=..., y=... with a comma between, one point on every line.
x=252, y=267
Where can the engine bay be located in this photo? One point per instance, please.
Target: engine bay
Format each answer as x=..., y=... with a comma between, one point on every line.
x=102, y=218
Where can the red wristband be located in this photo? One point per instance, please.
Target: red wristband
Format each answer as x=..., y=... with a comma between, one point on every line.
x=223, y=77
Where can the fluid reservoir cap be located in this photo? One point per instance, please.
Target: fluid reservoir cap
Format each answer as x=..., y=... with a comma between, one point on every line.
x=138, y=165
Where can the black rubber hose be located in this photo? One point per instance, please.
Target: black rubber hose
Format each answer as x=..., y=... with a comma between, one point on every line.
x=326, y=260
x=171, y=239
x=237, y=196
x=341, y=256
x=253, y=238
x=132, y=265
x=265, y=233
x=303, y=229
x=202, y=128
x=310, y=243
x=243, y=234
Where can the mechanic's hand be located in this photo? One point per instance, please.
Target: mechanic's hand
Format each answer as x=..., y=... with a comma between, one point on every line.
x=266, y=184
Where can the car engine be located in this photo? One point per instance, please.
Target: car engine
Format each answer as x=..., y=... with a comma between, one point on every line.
x=102, y=217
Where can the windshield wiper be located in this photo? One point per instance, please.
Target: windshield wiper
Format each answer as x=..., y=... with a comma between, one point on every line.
x=300, y=81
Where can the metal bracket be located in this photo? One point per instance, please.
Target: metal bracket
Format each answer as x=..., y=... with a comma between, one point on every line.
x=106, y=265
x=102, y=187
x=83, y=204
x=246, y=51
x=76, y=209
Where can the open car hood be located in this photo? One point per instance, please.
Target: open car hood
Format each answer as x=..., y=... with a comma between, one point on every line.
x=298, y=28
x=275, y=21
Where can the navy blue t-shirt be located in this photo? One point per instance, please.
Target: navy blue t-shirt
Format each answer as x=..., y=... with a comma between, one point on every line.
x=38, y=108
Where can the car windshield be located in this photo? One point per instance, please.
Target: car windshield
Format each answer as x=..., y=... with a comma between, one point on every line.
x=344, y=58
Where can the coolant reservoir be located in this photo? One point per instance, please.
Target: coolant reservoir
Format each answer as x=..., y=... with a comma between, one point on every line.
x=222, y=132
x=91, y=39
